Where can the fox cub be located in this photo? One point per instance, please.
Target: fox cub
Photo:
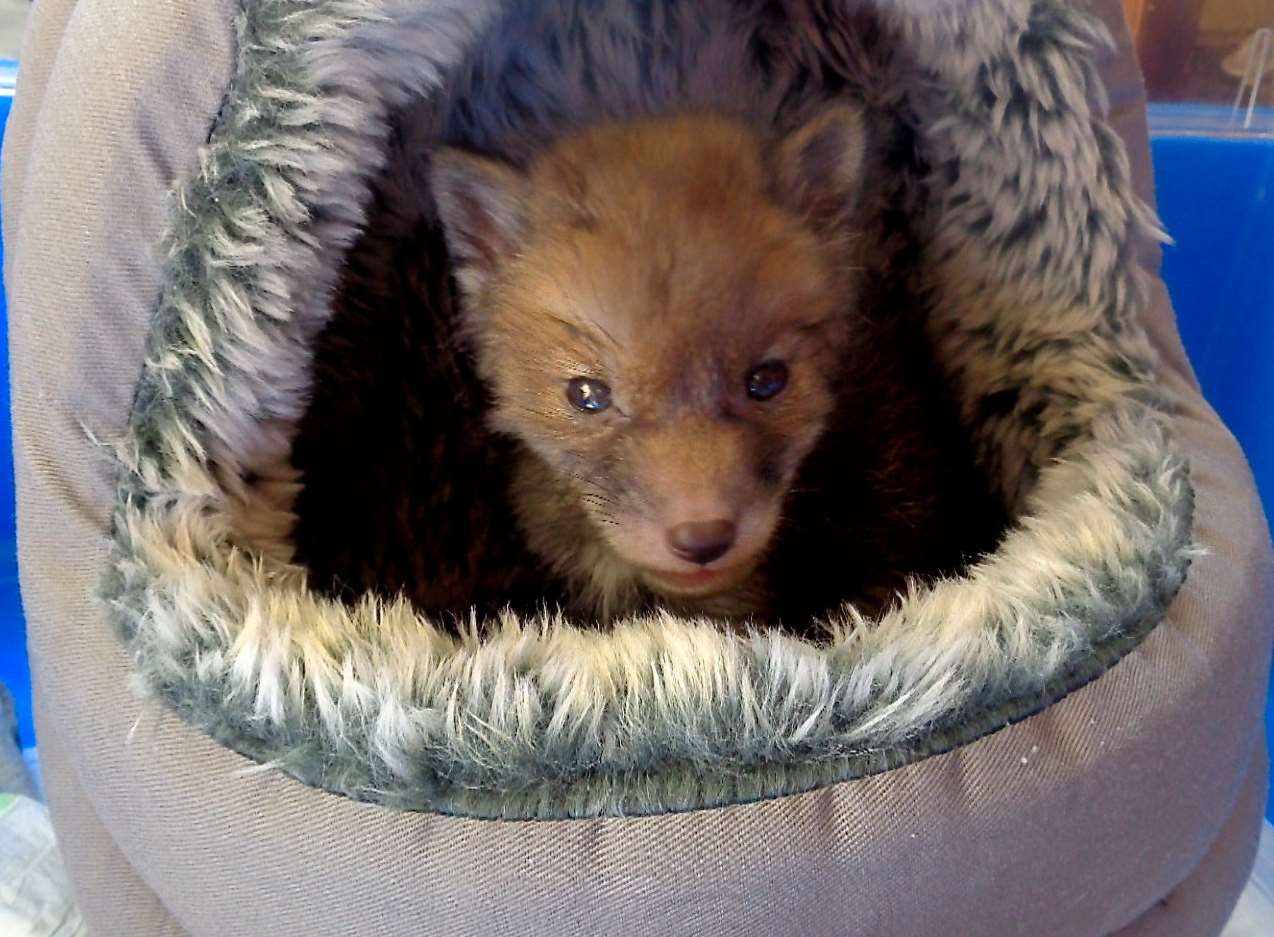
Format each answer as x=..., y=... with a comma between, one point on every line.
x=666, y=312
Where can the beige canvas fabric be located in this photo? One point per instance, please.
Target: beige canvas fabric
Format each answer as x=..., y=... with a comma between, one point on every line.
x=1074, y=823
x=1203, y=902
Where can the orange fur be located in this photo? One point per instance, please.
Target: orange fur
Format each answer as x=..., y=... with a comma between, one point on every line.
x=667, y=258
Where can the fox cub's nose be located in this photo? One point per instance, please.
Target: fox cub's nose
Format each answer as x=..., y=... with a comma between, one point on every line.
x=702, y=541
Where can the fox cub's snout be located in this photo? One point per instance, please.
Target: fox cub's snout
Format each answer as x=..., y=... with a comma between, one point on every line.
x=659, y=309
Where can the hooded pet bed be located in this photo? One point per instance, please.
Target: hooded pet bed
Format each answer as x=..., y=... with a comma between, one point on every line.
x=687, y=780
x=1027, y=232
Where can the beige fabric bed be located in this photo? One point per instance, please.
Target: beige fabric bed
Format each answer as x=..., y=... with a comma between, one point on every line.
x=1129, y=808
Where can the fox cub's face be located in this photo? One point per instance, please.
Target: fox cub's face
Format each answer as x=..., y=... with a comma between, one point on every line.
x=659, y=310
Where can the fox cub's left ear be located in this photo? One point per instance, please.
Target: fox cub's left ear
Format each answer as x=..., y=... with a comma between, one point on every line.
x=819, y=166
x=482, y=206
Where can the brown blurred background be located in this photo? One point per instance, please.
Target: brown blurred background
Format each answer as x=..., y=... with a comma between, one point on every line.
x=1193, y=50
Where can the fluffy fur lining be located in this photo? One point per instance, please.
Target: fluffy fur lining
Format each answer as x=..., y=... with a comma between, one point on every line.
x=1031, y=225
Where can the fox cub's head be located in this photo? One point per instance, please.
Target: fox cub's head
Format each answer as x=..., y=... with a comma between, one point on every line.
x=659, y=309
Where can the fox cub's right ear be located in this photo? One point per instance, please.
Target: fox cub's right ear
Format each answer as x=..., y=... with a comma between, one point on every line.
x=482, y=206
x=819, y=166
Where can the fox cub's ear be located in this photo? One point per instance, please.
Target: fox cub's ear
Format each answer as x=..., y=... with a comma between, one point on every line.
x=819, y=166
x=482, y=206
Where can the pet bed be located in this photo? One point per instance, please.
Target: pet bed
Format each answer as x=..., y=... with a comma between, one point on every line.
x=683, y=780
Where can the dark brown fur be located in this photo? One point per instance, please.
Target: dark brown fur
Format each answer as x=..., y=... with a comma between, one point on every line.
x=404, y=491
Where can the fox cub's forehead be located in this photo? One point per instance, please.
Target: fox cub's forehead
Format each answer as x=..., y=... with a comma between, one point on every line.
x=704, y=157
x=665, y=240
x=671, y=299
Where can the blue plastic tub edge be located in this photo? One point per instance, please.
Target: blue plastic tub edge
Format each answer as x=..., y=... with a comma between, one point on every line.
x=14, y=672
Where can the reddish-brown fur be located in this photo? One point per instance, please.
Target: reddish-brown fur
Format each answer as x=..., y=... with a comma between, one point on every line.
x=668, y=258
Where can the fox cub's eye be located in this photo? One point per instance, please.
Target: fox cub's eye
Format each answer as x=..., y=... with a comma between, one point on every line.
x=767, y=380
x=587, y=394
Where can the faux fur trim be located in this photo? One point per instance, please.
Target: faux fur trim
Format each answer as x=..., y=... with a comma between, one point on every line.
x=1032, y=225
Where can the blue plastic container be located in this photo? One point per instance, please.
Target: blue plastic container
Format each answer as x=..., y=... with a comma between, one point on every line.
x=1216, y=198
x=13, y=658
